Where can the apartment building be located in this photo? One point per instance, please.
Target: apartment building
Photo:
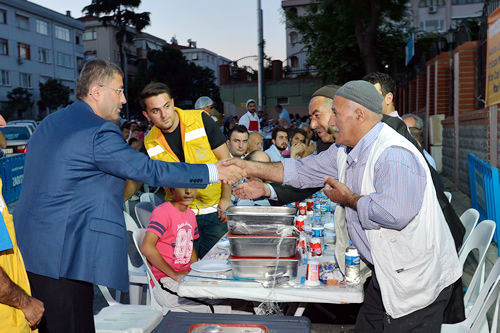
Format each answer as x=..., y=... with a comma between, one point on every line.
x=437, y=16
x=296, y=53
x=205, y=58
x=37, y=44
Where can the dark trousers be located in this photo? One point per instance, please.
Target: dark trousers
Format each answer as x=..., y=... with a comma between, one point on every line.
x=68, y=304
x=372, y=316
x=211, y=229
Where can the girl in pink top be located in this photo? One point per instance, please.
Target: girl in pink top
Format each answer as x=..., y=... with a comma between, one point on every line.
x=168, y=244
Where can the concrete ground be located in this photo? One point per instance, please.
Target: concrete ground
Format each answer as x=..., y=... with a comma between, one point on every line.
x=335, y=318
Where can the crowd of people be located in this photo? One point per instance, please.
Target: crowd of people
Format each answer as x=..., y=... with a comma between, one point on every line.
x=69, y=221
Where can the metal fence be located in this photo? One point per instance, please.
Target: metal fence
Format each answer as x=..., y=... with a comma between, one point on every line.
x=485, y=190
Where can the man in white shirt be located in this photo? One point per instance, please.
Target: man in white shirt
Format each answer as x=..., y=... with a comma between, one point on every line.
x=250, y=119
x=280, y=143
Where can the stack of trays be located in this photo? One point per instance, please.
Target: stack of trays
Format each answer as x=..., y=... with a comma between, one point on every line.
x=253, y=242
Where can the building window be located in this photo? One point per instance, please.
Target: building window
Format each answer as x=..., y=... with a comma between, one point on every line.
x=25, y=80
x=62, y=33
x=42, y=27
x=428, y=3
x=4, y=46
x=282, y=100
x=63, y=59
x=22, y=22
x=44, y=55
x=78, y=38
x=4, y=78
x=293, y=37
x=432, y=25
x=90, y=35
x=23, y=51
x=3, y=16
x=294, y=62
x=462, y=2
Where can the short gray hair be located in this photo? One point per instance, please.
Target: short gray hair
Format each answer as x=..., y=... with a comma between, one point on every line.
x=419, y=123
x=95, y=71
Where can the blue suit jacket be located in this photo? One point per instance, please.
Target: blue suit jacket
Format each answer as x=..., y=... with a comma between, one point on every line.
x=68, y=220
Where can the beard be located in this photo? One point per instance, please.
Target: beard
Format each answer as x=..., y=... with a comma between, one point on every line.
x=281, y=148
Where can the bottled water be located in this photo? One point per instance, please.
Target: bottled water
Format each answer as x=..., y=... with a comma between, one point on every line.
x=318, y=231
x=352, y=264
x=325, y=209
x=318, y=198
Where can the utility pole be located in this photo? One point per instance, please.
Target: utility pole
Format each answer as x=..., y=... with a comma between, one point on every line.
x=261, y=57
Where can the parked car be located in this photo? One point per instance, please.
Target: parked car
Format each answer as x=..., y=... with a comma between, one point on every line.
x=17, y=139
x=24, y=121
x=29, y=125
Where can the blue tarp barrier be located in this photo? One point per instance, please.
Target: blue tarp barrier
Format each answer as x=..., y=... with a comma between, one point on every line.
x=12, y=173
x=485, y=191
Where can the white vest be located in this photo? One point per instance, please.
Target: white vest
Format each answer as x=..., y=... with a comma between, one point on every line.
x=415, y=264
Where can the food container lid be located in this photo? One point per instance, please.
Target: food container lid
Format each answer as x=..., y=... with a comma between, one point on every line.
x=229, y=235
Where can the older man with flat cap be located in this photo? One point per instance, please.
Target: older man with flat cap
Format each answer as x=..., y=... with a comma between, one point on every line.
x=388, y=202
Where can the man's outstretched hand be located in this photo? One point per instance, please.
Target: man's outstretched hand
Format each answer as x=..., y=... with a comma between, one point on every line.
x=251, y=189
x=340, y=193
x=229, y=173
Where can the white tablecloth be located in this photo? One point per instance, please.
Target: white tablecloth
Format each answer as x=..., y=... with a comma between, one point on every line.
x=254, y=291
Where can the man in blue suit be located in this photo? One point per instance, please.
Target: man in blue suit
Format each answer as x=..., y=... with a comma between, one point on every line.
x=69, y=216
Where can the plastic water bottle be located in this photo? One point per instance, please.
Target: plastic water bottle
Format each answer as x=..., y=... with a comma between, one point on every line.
x=352, y=264
x=325, y=210
x=318, y=198
x=318, y=231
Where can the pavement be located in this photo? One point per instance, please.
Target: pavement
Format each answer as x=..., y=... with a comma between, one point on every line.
x=328, y=318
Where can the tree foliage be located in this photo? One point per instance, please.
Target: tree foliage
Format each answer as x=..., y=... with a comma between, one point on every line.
x=53, y=94
x=19, y=100
x=186, y=80
x=349, y=38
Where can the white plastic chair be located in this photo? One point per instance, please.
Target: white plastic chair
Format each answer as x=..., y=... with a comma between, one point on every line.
x=151, y=197
x=143, y=211
x=137, y=276
x=125, y=318
x=469, y=220
x=158, y=300
x=479, y=239
x=448, y=195
x=475, y=320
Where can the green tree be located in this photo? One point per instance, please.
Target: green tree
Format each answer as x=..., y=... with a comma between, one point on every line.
x=349, y=38
x=19, y=100
x=186, y=80
x=53, y=94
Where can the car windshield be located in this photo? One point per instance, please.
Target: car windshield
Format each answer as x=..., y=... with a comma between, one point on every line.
x=15, y=133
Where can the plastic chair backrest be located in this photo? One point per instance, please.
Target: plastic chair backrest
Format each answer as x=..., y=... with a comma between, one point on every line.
x=151, y=197
x=143, y=211
x=488, y=294
x=107, y=295
x=469, y=220
x=448, y=195
x=479, y=239
x=475, y=318
x=157, y=297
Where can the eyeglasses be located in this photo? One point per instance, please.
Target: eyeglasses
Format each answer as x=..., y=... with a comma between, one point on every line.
x=118, y=90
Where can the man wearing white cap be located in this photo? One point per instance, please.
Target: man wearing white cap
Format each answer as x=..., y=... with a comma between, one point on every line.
x=250, y=119
x=388, y=204
x=204, y=103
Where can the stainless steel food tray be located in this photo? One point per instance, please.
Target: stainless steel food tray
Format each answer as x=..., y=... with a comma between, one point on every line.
x=259, y=220
x=262, y=246
x=263, y=269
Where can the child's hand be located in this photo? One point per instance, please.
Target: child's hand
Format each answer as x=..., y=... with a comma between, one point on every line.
x=179, y=273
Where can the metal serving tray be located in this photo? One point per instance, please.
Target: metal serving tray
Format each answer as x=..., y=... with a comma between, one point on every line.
x=262, y=246
x=259, y=220
x=263, y=268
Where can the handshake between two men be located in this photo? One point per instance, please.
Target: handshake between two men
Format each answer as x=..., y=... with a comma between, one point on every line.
x=257, y=172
